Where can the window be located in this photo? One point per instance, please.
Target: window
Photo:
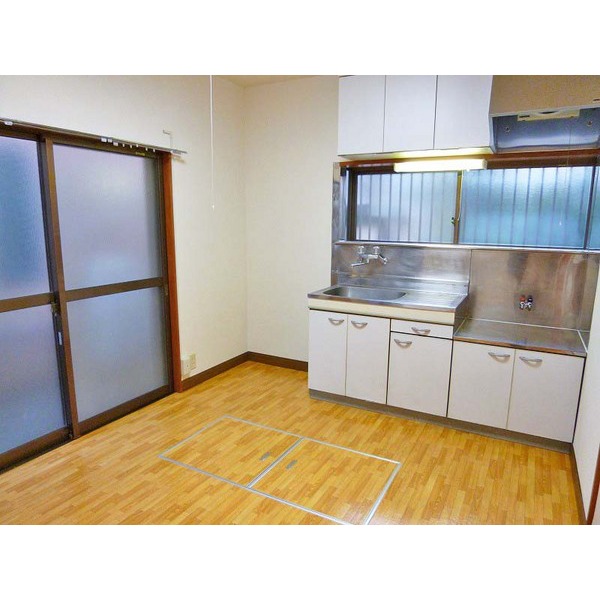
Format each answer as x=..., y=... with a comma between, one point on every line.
x=406, y=207
x=544, y=207
x=539, y=207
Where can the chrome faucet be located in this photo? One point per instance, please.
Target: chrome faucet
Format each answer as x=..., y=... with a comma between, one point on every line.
x=364, y=258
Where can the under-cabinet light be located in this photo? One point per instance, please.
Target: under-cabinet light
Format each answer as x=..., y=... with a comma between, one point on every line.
x=449, y=164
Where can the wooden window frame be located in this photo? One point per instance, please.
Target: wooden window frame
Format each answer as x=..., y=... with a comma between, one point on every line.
x=513, y=160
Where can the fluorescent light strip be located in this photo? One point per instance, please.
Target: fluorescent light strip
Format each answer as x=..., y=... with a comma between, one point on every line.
x=456, y=164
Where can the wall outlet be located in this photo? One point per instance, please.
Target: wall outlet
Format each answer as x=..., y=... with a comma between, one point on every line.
x=192, y=361
x=186, y=365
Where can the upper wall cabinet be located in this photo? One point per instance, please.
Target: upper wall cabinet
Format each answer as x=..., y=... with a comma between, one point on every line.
x=409, y=112
x=360, y=114
x=397, y=113
x=462, y=113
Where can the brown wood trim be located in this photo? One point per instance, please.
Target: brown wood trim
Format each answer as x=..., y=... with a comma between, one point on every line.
x=57, y=275
x=194, y=380
x=505, y=160
x=25, y=302
x=577, y=486
x=595, y=486
x=18, y=455
x=123, y=409
x=169, y=224
x=113, y=288
x=278, y=361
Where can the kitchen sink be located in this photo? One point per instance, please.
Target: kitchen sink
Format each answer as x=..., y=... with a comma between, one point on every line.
x=363, y=293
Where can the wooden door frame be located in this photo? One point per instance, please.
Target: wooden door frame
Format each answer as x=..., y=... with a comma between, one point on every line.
x=59, y=297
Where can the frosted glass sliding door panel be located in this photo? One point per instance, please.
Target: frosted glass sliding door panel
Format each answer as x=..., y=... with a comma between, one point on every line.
x=30, y=395
x=23, y=266
x=109, y=218
x=119, y=349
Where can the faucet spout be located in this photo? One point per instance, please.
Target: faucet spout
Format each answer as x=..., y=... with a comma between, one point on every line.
x=364, y=258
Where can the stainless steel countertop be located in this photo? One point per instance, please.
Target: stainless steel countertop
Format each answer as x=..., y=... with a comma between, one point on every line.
x=419, y=299
x=525, y=337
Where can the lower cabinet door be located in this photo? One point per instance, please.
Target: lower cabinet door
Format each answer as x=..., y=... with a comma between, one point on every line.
x=545, y=394
x=419, y=373
x=367, y=358
x=480, y=383
x=327, y=352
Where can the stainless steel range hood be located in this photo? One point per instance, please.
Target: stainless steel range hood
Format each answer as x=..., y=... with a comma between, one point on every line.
x=541, y=112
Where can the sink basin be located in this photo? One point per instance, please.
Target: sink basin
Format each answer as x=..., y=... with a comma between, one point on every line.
x=364, y=293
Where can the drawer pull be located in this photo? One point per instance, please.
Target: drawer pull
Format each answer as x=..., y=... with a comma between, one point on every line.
x=402, y=343
x=421, y=331
x=290, y=465
x=496, y=355
x=531, y=360
x=359, y=324
x=336, y=321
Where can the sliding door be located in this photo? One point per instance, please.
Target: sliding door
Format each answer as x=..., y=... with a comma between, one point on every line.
x=31, y=399
x=84, y=312
x=111, y=240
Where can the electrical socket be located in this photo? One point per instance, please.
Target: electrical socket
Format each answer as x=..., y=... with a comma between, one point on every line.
x=192, y=361
x=186, y=365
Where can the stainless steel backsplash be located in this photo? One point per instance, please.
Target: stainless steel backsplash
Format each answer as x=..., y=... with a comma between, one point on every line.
x=563, y=284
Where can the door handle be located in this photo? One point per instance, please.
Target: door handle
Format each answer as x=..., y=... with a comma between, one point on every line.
x=359, y=324
x=402, y=343
x=421, y=331
x=336, y=321
x=531, y=360
x=496, y=355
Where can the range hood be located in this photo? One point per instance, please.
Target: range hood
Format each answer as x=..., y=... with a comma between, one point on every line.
x=543, y=112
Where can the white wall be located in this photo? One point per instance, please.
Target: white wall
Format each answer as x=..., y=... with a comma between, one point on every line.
x=290, y=145
x=587, y=432
x=210, y=244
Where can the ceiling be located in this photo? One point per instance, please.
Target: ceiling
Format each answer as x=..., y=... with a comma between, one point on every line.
x=251, y=80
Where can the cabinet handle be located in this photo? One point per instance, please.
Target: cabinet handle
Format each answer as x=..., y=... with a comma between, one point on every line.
x=402, y=344
x=336, y=321
x=359, y=324
x=421, y=331
x=496, y=355
x=531, y=360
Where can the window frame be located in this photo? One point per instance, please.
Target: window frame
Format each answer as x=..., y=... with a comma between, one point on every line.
x=522, y=160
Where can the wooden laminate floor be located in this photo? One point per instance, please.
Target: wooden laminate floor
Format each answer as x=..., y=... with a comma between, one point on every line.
x=115, y=474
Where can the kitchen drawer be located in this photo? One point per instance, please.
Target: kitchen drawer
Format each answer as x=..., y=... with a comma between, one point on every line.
x=419, y=328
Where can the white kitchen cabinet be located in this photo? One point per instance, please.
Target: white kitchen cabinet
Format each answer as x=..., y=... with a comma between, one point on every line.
x=480, y=383
x=545, y=394
x=327, y=352
x=462, y=111
x=419, y=373
x=361, y=104
x=367, y=358
x=409, y=112
x=397, y=113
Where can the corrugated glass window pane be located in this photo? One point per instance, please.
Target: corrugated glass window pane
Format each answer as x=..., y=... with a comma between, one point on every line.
x=542, y=207
x=406, y=207
x=594, y=241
